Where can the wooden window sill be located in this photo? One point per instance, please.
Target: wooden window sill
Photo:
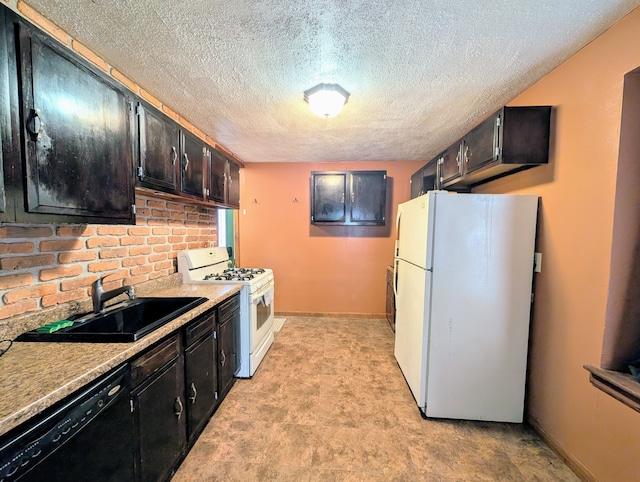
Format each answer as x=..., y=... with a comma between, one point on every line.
x=621, y=386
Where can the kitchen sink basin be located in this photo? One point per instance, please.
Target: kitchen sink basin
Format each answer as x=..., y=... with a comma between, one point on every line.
x=124, y=323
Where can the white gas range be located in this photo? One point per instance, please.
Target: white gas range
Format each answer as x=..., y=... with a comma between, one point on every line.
x=211, y=266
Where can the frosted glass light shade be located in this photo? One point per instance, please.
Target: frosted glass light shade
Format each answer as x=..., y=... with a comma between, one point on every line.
x=326, y=100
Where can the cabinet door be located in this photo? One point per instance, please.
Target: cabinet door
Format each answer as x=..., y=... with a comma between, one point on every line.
x=5, y=112
x=480, y=146
x=158, y=149
x=192, y=166
x=201, y=382
x=226, y=353
x=450, y=165
x=328, y=191
x=77, y=134
x=416, y=184
x=217, y=176
x=233, y=185
x=159, y=409
x=368, y=197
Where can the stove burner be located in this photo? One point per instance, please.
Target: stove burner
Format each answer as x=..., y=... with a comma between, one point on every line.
x=234, y=274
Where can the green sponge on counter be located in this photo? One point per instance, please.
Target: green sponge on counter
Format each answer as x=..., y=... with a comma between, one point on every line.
x=55, y=326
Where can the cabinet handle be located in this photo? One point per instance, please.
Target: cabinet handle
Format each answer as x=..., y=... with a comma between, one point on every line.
x=177, y=407
x=353, y=197
x=174, y=155
x=34, y=124
x=342, y=199
x=224, y=358
x=186, y=163
x=194, y=392
x=458, y=158
x=467, y=154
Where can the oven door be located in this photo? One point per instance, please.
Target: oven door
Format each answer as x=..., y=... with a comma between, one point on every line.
x=261, y=314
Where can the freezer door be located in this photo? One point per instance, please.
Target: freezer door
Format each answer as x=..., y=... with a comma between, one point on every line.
x=412, y=311
x=413, y=229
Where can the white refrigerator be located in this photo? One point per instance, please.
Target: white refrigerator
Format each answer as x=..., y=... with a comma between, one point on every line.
x=464, y=271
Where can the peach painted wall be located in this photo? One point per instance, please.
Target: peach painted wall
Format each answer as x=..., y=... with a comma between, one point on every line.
x=317, y=269
x=600, y=435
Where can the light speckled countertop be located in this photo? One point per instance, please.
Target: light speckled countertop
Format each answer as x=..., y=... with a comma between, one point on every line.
x=34, y=376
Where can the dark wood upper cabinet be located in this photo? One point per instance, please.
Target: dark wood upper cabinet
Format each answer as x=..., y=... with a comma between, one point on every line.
x=233, y=184
x=224, y=180
x=348, y=197
x=76, y=131
x=510, y=140
x=328, y=202
x=368, y=197
x=450, y=165
x=193, y=155
x=158, y=149
x=425, y=179
x=217, y=176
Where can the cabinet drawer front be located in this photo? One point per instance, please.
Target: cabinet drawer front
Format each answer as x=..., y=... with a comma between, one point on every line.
x=199, y=328
x=153, y=360
x=232, y=304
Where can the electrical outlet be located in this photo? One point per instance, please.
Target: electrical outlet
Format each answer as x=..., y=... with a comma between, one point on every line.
x=537, y=262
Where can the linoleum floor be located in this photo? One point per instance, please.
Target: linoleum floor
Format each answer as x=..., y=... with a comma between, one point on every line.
x=329, y=403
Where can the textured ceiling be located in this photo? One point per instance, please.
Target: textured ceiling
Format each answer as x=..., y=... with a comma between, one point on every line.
x=420, y=73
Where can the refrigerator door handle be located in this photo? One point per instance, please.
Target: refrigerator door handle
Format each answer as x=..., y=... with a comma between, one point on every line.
x=396, y=261
x=398, y=216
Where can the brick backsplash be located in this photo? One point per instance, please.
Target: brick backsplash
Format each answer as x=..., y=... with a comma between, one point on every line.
x=43, y=265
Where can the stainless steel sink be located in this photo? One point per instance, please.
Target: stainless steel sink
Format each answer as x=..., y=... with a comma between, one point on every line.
x=125, y=323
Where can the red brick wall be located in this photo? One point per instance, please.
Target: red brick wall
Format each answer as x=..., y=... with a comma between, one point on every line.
x=42, y=265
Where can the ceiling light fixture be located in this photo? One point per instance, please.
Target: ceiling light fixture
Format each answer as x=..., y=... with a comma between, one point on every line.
x=326, y=100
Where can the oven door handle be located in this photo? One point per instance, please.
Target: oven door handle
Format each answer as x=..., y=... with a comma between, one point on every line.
x=258, y=295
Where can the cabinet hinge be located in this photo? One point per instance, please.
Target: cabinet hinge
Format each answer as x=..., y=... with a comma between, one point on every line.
x=441, y=161
x=140, y=172
x=498, y=122
x=138, y=110
x=384, y=177
x=497, y=152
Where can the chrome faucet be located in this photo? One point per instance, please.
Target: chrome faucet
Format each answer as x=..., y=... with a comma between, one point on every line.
x=99, y=295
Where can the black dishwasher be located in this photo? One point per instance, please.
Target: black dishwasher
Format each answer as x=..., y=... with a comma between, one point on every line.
x=87, y=437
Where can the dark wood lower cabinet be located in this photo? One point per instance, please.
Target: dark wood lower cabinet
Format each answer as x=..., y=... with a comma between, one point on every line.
x=176, y=386
x=228, y=324
x=391, y=300
x=159, y=411
x=201, y=375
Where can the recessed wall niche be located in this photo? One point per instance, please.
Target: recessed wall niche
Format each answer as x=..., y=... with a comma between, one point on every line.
x=621, y=344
